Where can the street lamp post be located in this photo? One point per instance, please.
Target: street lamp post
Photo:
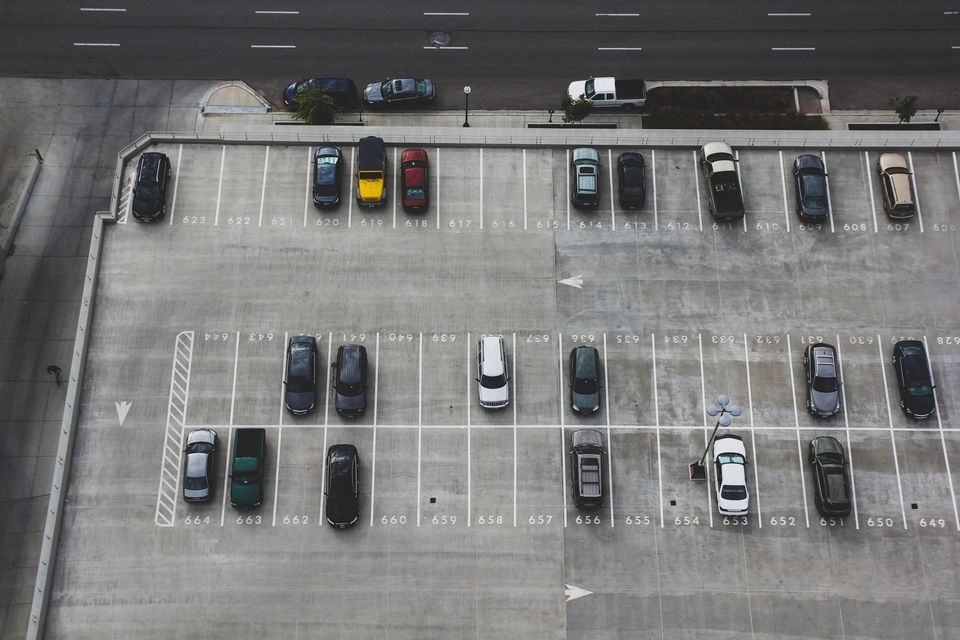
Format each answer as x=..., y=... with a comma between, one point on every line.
x=466, y=106
x=724, y=410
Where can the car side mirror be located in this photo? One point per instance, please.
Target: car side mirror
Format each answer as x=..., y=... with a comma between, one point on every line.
x=477, y=379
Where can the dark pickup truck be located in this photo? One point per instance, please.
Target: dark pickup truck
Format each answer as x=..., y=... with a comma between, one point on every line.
x=246, y=470
x=722, y=180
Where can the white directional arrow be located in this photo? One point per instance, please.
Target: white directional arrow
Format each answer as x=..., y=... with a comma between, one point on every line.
x=573, y=592
x=122, y=409
x=573, y=281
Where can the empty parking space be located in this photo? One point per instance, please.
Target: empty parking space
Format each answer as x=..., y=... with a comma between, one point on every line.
x=393, y=476
x=400, y=378
x=879, y=501
x=927, y=491
x=297, y=480
x=535, y=382
x=260, y=374
x=540, y=189
x=678, y=199
x=198, y=184
x=503, y=189
x=460, y=189
x=783, y=481
x=287, y=193
x=541, y=485
x=443, y=478
x=763, y=189
x=629, y=388
x=241, y=186
x=445, y=372
x=494, y=465
x=637, y=478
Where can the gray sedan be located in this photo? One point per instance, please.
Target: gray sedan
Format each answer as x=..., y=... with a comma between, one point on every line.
x=404, y=92
x=200, y=460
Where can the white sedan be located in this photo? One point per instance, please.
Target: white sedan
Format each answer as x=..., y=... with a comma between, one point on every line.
x=730, y=461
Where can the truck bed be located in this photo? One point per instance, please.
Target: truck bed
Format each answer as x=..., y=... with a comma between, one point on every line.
x=627, y=89
x=725, y=192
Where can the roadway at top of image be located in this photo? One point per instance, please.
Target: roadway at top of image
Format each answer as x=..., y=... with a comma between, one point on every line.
x=514, y=55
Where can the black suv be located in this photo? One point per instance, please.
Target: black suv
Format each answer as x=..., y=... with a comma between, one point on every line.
x=343, y=485
x=300, y=394
x=810, y=188
x=823, y=379
x=150, y=189
x=631, y=174
x=830, y=480
x=913, y=378
x=586, y=466
x=585, y=379
x=350, y=380
x=327, y=176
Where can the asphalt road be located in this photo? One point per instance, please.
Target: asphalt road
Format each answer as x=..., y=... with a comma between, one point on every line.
x=514, y=55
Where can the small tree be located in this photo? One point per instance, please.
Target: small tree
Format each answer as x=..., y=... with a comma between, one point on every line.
x=906, y=107
x=575, y=110
x=315, y=107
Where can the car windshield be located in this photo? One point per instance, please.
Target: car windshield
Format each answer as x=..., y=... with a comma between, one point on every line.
x=148, y=190
x=416, y=193
x=830, y=458
x=421, y=87
x=731, y=458
x=195, y=484
x=493, y=382
x=825, y=385
x=327, y=160
x=387, y=89
x=200, y=447
x=919, y=390
x=588, y=88
x=733, y=492
x=584, y=386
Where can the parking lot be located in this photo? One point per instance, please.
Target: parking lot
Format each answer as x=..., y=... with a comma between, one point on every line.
x=467, y=526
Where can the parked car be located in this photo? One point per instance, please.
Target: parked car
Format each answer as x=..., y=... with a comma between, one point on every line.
x=327, y=176
x=342, y=90
x=350, y=380
x=343, y=485
x=371, y=172
x=831, y=483
x=150, y=188
x=300, y=395
x=632, y=178
x=407, y=92
x=248, y=468
x=200, y=457
x=492, y=376
x=586, y=467
x=719, y=166
x=895, y=186
x=810, y=188
x=415, y=180
x=609, y=92
x=913, y=379
x=823, y=379
x=585, y=379
x=730, y=462
x=585, y=177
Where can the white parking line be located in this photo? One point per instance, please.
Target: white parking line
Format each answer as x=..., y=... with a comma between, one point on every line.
x=736, y=155
x=223, y=155
x=233, y=391
x=176, y=180
x=306, y=194
x=226, y=477
x=893, y=441
x=606, y=397
x=373, y=464
x=481, y=187
x=263, y=187
x=943, y=443
x=469, y=472
x=515, y=398
x=656, y=415
x=696, y=189
x=753, y=441
x=323, y=480
x=353, y=153
x=563, y=448
x=395, y=198
x=653, y=169
x=846, y=427
x=326, y=387
x=916, y=194
x=956, y=174
x=796, y=419
x=783, y=185
x=524, y=192
x=706, y=427
x=283, y=388
x=873, y=203
x=566, y=171
x=823, y=158
x=436, y=193
x=613, y=215
x=419, y=420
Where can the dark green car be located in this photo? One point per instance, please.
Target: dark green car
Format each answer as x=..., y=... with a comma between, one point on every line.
x=585, y=379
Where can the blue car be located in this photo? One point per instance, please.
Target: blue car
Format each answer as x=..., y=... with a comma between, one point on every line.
x=342, y=90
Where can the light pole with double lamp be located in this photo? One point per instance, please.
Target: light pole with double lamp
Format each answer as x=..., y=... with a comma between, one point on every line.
x=724, y=410
x=466, y=106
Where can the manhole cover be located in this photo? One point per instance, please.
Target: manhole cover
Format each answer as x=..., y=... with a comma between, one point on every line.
x=439, y=39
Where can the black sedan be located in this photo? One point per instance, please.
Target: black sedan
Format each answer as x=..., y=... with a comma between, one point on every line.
x=810, y=187
x=632, y=175
x=300, y=394
x=585, y=379
x=823, y=379
x=342, y=90
x=831, y=482
x=343, y=485
x=327, y=176
x=407, y=92
x=913, y=379
x=350, y=380
x=150, y=187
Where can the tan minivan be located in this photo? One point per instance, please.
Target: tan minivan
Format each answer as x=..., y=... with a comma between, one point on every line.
x=895, y=184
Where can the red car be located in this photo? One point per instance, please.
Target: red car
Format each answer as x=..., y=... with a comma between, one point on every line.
x=415, y=180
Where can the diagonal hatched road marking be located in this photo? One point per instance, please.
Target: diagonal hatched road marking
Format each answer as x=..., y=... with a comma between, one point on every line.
x=168, y=490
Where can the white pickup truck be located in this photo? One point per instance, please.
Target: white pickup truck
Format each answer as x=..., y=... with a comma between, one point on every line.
x=610, y=92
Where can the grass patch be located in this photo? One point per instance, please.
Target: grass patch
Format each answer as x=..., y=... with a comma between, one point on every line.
x=725, y=108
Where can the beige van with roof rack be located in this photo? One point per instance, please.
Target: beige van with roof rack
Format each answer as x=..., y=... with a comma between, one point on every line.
x=895, y=186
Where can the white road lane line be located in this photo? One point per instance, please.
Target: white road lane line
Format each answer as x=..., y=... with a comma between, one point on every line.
x=373, y=455
x=524, y=190
x=446, y=13
x=613, y=215
x=273, y=46
x=823, y=158
x=323, y=480
x=606, y=397
x=846, y=428
x=436, y=192
x=481, y=187
x=619, y=49
x=656, y=416
x=873, y=203
x=753, y=441
x=783, y=186
x=419, y=421
x=653, y=169
x=306, y=195
x=893, y=441
x=696, y=188
x=448, y=48
x=515, y=398
x=283, y=395
x=788, y=15
x=793, y=48
x=916, y=194
x=563, y=449
x=263, y=187
x=706, y=427
x=567, y=192
x=956, y=173
x=736, y=155
x=280, y=13
x=943, y=443
x=104, y=9
x=223, y=155
x=395, y=192
x=176, y=180
x=469, y=487
x=796, y=419
x=353, y=153
x=618, y=15
x=326, y=387
x=96, y=44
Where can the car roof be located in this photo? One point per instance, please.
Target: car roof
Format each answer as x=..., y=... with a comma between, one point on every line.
x=728, y=443
x=587, y=436
x=716, y=147
x=349, y=369
x=492, y=364
x=823, y=444
x=734, y=474
x=586, y=153
x=414, y=176
x=631, y=158
x=328, y=151
x=809, y=161
x=201, y=435
x=413, y=154
x=892, y=161
x=586, y=361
